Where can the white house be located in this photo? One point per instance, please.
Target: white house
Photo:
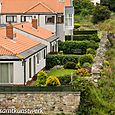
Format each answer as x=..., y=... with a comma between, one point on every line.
x=55, y=15
x=23, y=55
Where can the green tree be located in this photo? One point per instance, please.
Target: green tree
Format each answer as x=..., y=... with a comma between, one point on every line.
x=83, y=7
x=100, y=13
x=109, y=3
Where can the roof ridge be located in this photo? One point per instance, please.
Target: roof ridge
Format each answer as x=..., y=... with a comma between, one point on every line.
x=37, y=5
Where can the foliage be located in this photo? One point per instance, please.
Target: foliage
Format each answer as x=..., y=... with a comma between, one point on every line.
x=76, y=25
x=101, y=13
x=91, y=51
x=86, y=64
x=82, y=72
x=86, y=58
x=83, y=7
x=109, y=3
x=70, y=65
x=71, y=47
x=65, y=80
x=84, y=37
x=52, y=60
x=52, y=81
x=41, y=78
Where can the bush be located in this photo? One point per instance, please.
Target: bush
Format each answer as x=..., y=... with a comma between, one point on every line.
x=101, y=13
x=86, y=58
x=70, y=65
x=82, y=72
x=52, y=60
x=77, y=47
x=41, y=78
x=91, y=51
x=65, y=80
x=86, y=64
x=52, y=81
x=76, y=25
x=83, y=37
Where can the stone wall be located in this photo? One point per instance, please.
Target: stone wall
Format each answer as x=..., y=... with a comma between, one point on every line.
x=48, y=103
x=100, y=57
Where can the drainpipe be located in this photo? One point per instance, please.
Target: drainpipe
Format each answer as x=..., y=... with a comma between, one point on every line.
x=24, y=61
x=24, y=64
x=56, y=24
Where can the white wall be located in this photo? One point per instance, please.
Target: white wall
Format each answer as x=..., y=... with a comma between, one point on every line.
x=61, y=32
x=40, y=66
x=50, y=27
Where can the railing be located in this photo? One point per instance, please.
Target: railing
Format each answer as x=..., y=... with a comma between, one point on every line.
x=26, y=89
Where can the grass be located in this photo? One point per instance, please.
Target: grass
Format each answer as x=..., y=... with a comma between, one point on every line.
x=62, y=72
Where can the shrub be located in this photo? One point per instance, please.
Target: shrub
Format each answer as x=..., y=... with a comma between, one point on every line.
x=65, y=80
x=70, y=65
x=82, y=72
x=91, y=51
x=76, y=25
x=101, y=13
x=77, y=47
x=52, y=81
x=52, y=60
x=41, y=78
x=86, y=64
x=85, y=58
x=83, y=37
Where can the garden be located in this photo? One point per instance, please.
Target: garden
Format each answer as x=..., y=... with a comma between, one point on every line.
x=74, y=59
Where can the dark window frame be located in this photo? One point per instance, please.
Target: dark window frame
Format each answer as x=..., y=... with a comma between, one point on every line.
x=49, y=19
x=25, y=18
x=60, y=19
x=13, y=21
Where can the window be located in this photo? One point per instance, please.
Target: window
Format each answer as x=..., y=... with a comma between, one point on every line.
x=37, y=58
x=6, y=72
x=11, y=19
x=60, y=19
x=68, y=20
x=26, y=18
x=30, y=68
x=49, y=19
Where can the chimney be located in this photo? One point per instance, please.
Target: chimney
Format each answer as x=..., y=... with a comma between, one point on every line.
x=34, y=22
x=9, y=31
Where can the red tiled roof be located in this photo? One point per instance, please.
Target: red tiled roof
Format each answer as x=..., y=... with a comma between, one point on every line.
x=21, y=6
x=40, y=31
x=16, y=46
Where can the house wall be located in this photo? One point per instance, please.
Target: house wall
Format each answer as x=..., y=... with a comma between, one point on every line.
x=18, y=67
x=50, y=27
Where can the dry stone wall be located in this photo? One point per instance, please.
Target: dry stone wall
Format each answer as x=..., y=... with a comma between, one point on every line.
x=46, y=103
x=100, y=57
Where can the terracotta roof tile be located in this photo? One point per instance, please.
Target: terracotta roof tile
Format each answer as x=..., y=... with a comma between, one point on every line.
x=20, y=6
x=40, y=31
x=16, y=46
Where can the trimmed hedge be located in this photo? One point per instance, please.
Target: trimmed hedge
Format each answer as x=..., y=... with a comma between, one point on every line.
x=83, y=37
x=85, y=32
x=52, y=60
x=77, y=47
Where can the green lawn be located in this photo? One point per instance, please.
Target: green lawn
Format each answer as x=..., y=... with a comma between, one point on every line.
x=61, y=72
